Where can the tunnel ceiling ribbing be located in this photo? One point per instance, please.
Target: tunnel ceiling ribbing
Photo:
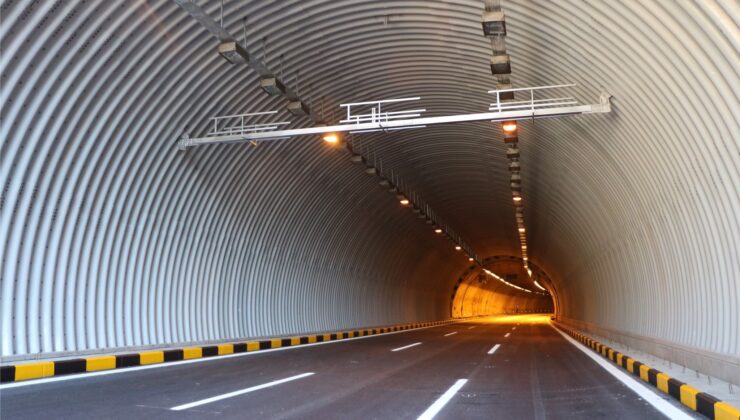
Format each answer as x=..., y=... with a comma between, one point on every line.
x=114, y=238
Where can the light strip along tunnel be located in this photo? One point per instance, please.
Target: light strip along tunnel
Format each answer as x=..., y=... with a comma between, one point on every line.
x=461, y=256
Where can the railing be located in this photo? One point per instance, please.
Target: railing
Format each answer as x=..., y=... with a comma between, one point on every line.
x=240, y=124
x=532, y=103
x=377, y=115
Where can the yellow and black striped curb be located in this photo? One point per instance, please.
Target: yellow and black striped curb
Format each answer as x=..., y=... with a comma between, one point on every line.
x=43, y=369
x=688, y=395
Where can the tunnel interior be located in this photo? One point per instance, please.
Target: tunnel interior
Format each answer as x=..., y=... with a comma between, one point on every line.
x=501, y=286
x=114, y=238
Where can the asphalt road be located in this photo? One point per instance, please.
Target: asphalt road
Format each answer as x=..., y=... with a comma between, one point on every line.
x=533, y=374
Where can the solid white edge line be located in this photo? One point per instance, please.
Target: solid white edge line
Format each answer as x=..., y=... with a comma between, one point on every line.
x=644, y=392
x=407, y=347
x=452, y=333
x=507, y=335
x=187, y=362
x=240, y=392
x=441, y=401
x=494, y=348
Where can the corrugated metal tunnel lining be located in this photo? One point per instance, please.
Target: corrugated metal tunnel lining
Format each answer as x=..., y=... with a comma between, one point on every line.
x=114, y=238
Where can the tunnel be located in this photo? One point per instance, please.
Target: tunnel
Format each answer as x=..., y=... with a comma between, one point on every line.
x=370, y=209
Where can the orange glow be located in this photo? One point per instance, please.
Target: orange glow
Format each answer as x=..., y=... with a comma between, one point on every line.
x=521, y=229
x=509, y=126
x=331, y=138
x=517, y=199
x=457, y=248
x=470, y=259
x=404, y=202
x=438, y=231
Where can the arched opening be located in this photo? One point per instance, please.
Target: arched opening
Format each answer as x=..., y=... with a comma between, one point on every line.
x=502, y=286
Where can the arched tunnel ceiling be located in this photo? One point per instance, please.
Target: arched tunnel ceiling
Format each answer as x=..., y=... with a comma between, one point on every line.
x=113, y=237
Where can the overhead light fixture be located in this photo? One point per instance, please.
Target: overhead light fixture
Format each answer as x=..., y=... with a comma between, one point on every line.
x=509, y=126
x=470, y=259
x=517, y=199
x=506, y=95
x=521, y=229
x=458, y=247
x=233, y=52
x=524, y=247
x=438, y=231
x=298, y=108
x=272, y=85
x=404, y=201
x=500, y=64
x=332, y=138
x=494, y=24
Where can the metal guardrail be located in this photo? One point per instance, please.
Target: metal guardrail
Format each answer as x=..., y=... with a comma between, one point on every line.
x=532, y=103
x=240, y=124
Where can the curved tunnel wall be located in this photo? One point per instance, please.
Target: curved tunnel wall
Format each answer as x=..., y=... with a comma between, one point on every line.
x=111, y=237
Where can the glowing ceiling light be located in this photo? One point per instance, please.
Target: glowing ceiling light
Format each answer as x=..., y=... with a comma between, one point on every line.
x=538, y=285
x=517, y=199
x=505, y=282
x=458, y=247
x=509, y=126
x=331, y=138
x=404, y=202
x=524, y=247
x=438, y=231
x=470, y=259
x=521, y=229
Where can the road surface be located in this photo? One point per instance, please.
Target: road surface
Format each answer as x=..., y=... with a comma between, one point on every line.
x=514, y=367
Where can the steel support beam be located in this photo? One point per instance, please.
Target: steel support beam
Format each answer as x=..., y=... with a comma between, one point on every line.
x=603, y=106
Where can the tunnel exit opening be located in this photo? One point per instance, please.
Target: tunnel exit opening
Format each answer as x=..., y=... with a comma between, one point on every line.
x=502, y=286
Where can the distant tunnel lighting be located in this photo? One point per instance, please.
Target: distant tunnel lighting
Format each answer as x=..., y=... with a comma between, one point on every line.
x=524, y=247
x=521, y=229
x=538, y=285
x=458, y=247
x=517, y=199
x=331, y=138
x=438, y=231
x=470, y=259
x=505, y=282
x=404, y=202
x=509, y=126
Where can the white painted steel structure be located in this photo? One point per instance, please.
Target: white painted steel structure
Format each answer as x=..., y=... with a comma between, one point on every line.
x=378, y=120
x=112, y=238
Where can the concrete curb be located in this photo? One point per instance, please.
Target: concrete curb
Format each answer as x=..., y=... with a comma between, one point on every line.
x=689, y=396
x=42, y=369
